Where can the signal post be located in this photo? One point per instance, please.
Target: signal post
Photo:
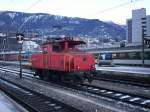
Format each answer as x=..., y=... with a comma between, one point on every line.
x=20, y=37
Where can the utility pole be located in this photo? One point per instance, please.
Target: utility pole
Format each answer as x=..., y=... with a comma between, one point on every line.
x=143, y=38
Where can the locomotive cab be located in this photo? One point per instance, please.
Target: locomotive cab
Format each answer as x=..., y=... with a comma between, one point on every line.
x=65, y=45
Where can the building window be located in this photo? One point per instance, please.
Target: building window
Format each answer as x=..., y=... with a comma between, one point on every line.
x=122, y=56
x=147, y=55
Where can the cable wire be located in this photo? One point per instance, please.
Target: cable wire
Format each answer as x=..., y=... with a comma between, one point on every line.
x=34, y=4
x=115, y=7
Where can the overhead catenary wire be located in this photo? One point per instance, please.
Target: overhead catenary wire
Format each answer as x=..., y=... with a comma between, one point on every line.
x=34, y=4
x=115, y=7
x=30, y=7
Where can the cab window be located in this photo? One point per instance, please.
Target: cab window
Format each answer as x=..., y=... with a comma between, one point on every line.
x=45, y=50
x=56, y=48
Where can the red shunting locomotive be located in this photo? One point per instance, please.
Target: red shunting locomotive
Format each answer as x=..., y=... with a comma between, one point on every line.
x=62, y=59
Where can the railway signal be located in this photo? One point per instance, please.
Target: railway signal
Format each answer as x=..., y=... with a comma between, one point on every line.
x=20, y=38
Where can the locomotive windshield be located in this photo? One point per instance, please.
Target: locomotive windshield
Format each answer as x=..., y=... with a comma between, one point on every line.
x=57, y=48
x=72, y=45
x=66, y=44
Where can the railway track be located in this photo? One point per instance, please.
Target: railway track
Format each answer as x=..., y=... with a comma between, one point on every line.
x=110, y=78
x=99, y=78
x=123, y=79
x=122, y=82
x=119, y=96
x=32, y=100
x=94, y=91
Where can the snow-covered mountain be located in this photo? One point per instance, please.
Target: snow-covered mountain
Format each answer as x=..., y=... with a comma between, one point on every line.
x=48, y=23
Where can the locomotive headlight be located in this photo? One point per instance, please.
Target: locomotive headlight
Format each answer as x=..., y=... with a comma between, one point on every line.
x=93, y=66
x=78, y=67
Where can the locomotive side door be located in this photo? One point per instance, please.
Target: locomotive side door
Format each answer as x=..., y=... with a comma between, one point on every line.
x=67, y=63
x=45, y=57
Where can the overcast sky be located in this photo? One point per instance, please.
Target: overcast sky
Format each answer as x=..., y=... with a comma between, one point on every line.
x=92, y=9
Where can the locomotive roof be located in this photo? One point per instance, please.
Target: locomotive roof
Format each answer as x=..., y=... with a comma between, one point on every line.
x=61, y=41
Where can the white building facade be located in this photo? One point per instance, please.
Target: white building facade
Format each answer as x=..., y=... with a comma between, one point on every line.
x=134, y=26
x=137, y=16
x=148, y=25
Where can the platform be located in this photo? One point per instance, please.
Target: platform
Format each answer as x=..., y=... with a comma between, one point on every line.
x=128, y=70
x=8, y=105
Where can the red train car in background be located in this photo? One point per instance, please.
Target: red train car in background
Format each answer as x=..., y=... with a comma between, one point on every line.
x=62, y=59
x=9, y=57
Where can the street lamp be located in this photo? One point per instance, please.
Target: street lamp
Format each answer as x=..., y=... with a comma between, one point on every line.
x=20, y=37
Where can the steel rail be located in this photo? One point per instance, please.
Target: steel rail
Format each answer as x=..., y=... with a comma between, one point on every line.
x=33, y=101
